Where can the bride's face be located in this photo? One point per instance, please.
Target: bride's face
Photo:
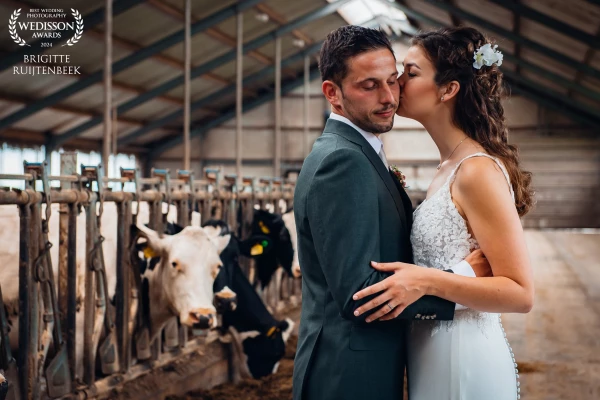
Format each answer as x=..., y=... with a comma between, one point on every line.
x=419, y=95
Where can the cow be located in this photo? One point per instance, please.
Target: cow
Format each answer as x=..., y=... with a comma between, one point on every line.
x=290, y=224
x=9, y=263
x=192, y=300
x=181, y=282
x=273, y=226
x=263, y=336
x=3, y=387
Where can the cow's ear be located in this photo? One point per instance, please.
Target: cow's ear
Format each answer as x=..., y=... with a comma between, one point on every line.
x=155, y=242
x=221, y=242
x=255, y=246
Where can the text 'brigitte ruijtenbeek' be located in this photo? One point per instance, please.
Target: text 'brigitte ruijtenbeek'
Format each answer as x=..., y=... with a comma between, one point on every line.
x=50, y=69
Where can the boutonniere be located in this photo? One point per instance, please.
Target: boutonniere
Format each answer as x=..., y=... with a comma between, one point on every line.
x=400, y=176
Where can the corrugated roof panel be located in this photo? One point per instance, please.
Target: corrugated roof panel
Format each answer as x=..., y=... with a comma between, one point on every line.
x=39, y=86
x=577, y=13
x=249, y=64
x=151, y=136
x=547, y=63
x=92, y=98
x=291, y=10
x=253, y=28
x=202, y=8
x=46, y=120
x=148, y=74
x=544, y=83
x=201, y=87
x=319, y=29
x=430, y=11
x=145, y=25
x=490, y=12
x=88, y=53
x=204, y=48
x=553, y=39
x=152, y=110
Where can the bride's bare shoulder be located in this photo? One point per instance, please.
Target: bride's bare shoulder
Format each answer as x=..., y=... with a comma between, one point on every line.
x=480, y=180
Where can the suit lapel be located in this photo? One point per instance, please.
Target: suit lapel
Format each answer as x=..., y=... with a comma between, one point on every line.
x=349, y=133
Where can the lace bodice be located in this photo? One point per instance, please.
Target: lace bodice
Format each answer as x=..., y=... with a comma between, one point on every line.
x=439, y=236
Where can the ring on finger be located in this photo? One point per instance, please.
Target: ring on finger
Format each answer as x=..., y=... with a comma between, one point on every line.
x=390, y=306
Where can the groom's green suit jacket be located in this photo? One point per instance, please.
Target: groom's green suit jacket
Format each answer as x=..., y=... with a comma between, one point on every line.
x=349, y=211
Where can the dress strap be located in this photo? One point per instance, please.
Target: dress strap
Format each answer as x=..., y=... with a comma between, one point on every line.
x=502, y=168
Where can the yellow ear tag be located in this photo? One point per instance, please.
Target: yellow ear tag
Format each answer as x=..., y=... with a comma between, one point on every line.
x=271, y=331
x=263, y=228
x=256, y=250
x=149, y=253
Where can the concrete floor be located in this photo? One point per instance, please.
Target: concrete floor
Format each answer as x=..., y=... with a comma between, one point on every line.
x=557, y=345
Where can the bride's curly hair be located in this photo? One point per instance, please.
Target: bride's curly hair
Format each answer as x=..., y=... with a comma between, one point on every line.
x=479, y=111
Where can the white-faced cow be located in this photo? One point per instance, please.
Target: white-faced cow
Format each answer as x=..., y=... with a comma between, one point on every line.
x=263, y=337
x=171, y=295
x=181, y=284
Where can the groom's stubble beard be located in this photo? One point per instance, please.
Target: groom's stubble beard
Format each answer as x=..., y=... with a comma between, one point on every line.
x=364, y=121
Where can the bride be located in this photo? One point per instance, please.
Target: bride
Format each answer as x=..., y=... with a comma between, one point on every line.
x=452, y=85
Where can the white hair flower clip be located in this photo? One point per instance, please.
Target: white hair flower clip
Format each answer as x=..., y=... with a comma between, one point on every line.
x=486, y=55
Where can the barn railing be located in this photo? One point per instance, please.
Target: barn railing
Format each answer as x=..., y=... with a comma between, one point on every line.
x=47, y=359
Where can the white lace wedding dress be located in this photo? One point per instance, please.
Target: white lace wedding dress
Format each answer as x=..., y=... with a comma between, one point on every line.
x=468, y=358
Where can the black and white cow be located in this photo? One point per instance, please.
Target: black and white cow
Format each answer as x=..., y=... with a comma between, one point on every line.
x=264, y=336
x=274, y=226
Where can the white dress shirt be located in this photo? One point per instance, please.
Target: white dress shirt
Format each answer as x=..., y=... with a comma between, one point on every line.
x=462, y=268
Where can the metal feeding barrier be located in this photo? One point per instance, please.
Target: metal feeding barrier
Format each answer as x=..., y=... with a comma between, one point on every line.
x=113, y=352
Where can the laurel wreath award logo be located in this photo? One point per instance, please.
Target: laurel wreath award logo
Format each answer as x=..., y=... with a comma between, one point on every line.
x=48, y=27
x=46, y=30
x=79, y=29
x=12, y=28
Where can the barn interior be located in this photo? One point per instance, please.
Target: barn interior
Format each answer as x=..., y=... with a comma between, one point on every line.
x=222, y=101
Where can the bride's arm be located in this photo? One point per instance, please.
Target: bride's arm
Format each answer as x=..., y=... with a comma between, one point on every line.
x=481, y=193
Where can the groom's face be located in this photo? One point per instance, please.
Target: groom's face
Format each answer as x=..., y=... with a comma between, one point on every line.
x=369, y=93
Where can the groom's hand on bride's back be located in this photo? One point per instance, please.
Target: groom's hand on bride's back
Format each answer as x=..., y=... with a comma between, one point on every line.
x=479, y=263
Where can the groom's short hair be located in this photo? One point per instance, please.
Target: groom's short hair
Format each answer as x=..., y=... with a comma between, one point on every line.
x=347, y=42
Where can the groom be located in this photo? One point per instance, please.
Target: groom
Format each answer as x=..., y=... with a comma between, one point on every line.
x=351, y=210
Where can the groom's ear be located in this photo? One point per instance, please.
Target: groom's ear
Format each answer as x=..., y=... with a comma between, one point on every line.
x=449, y=90
x=331, y=92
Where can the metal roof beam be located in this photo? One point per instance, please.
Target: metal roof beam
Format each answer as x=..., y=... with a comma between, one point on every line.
x=568, y=61
x=230, y=113
x=544, y=73
x=28, y=138
x=550, y=22
x=92, y=19
x=206, y=67
x=126, y=62
x=265, y=72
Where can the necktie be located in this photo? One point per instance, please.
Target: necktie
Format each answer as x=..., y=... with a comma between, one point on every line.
x=382, y=156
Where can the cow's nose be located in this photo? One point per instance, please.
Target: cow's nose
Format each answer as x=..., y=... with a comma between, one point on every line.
x=225, y=300
x=296, y=271
x=202, y=320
